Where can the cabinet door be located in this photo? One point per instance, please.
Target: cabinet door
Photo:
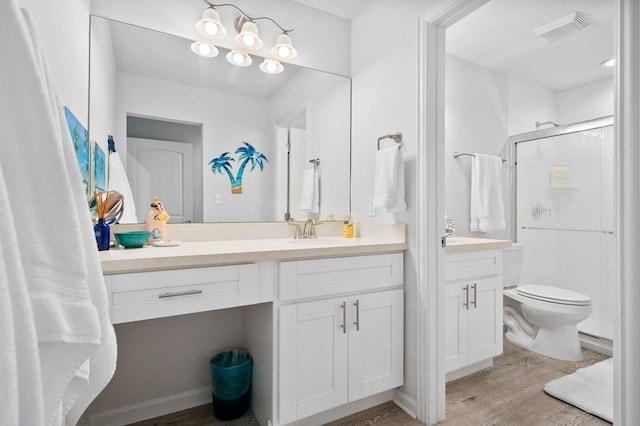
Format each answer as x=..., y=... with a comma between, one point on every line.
x=375, y=343
x=313, y=357
x=455, y=327
x=484, y=322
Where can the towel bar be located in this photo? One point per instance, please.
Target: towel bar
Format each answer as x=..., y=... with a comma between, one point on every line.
x=458, y=154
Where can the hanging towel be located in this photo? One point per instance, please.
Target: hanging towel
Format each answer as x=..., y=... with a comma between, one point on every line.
x=118, y=181
x=487, y=205
x=20, y=378
x=389, y=180
x=76, y=348
x=310, y=198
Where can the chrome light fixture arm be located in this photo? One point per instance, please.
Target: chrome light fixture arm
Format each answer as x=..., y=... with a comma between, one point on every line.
x=247, y=17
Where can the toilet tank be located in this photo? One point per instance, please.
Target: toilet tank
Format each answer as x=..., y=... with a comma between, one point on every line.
x=512, y=265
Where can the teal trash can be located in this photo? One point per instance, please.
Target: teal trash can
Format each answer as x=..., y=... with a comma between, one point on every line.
x=231, y=372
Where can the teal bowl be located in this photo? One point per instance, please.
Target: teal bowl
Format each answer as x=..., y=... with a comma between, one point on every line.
x=132, y=239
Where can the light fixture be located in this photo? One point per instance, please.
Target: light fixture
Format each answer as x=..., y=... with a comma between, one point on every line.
x=608, y=63
x=271, y=66
x=284, y=48
x=239, y=59
x=204, y=49
x=247, y=38
x=211, y=25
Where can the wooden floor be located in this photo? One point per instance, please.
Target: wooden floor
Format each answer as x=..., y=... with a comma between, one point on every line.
x=509, y=394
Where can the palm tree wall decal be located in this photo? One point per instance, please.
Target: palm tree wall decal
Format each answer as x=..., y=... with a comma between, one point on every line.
x=248, y=154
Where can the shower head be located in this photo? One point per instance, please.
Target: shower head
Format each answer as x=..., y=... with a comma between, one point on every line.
x=538, y=124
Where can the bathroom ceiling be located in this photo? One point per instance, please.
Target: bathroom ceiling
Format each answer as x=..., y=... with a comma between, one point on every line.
x=346, y=9
x=499, y=36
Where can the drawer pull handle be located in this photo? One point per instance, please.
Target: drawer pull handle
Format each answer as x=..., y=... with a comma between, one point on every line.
x=475, y=295
x=179, y=293
x=357, y=322
x=466, y=297
x=344, y=317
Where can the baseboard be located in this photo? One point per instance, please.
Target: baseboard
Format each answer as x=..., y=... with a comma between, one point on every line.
x=404, y=401
x=596, y=344
x=344, y=410
x=469, y=369
x=152, y=408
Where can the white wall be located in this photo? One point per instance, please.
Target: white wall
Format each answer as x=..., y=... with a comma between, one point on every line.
x=529, y=103
x=475, y=121
x=320, y=38
x=384, y=65
x=586, y=102
x=64, y=31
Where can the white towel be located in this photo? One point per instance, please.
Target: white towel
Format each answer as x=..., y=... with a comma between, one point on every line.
x=389, y=180
x=487, y=205
x=57, y=249
x=20, y=378
x=310, y=197
x=118, y=181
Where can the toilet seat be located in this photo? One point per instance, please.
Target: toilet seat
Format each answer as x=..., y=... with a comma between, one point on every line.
x=553, y=295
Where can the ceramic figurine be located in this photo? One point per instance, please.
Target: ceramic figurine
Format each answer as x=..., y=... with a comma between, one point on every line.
x=156, y=221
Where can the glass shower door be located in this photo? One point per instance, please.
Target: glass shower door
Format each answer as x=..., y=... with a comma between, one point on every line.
x=564, y=218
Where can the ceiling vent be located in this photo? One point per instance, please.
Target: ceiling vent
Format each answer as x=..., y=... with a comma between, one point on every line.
x=563, y=27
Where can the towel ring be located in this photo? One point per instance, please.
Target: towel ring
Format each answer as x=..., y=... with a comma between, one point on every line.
x=397, y=137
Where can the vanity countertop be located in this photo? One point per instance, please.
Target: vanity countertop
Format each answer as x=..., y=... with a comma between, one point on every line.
x=210, y=253
x=465, y=244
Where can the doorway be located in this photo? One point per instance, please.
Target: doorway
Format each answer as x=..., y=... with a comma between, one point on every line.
x=164, y=159
x=431, y=181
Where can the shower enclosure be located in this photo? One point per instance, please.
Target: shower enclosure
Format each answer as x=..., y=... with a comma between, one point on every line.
x=564, y=213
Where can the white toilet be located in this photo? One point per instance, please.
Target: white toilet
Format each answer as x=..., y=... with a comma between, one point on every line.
x=541, y=318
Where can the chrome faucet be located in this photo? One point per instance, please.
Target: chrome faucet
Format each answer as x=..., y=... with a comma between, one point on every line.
x=309, y=229
x=298, y=232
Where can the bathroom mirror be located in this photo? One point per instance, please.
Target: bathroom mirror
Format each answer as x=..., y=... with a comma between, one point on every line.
x=185, y=125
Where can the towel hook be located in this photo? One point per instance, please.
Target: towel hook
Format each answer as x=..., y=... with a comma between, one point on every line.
x=397, y=137
x=316, y=162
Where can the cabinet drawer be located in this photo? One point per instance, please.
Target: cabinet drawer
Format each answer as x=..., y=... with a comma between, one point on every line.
x=147, y=295
x=482, y=263
x=325, y=277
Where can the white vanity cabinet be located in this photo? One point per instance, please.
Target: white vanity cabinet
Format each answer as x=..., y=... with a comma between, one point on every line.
x=341, y=332
x=473, y=311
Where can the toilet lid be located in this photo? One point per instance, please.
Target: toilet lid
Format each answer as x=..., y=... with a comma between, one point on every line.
x=553, y=294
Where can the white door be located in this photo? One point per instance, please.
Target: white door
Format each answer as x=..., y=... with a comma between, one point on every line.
x=313, y=357
x=161, y=169
x=375, y=343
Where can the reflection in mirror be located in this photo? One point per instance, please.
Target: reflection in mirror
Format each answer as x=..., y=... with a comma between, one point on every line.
x=191, y=130
x=113, y=203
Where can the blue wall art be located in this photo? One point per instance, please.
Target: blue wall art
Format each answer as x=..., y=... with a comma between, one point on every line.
x=80, y=138
x=248, y=154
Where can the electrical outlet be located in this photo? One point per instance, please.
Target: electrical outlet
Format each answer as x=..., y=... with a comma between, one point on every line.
x=372, y=209
x=218, y=198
